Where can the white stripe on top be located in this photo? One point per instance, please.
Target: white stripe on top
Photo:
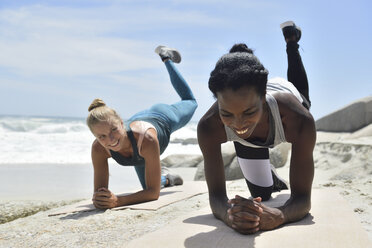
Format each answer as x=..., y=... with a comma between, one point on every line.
x=273, y=85
x=143, y=129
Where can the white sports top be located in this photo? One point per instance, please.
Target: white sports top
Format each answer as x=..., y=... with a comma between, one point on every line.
x=276, y=132
x=144, y=126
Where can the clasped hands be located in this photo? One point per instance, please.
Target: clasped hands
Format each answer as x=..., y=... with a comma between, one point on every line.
x=104, y=198
x=247, y=216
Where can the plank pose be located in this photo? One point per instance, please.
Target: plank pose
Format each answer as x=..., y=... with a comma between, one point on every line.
x=257, y=114
x=140, y=141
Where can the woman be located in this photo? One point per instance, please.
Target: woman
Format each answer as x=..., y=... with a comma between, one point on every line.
x=257, y=115
x=140, y=141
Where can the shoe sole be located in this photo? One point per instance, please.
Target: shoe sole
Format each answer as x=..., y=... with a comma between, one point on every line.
x=287, y=24
x=176, y=58
x=158, y=49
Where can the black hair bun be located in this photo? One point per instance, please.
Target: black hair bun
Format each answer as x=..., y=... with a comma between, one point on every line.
x=240, y=48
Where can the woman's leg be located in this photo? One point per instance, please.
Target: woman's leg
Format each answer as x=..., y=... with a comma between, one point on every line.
x=259, y=174
x=180, y=113
x=255, y=165
x=140, y=170
x=175, y=116
x=296, y=73
x=178, y=82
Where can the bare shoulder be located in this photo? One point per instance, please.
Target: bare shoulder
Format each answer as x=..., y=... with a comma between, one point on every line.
x=98, y=151
x=142, y=128
x=146, y=137
x=210, y=126
x=297, y=121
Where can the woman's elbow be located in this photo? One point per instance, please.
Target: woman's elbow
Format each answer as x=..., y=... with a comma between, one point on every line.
x=153, y=195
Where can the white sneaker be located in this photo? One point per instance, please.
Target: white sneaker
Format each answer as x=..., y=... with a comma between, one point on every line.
x=290, y=29
x=168, y=53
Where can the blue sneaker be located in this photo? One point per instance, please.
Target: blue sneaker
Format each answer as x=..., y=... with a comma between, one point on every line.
x=168, y=53
x=290, y=29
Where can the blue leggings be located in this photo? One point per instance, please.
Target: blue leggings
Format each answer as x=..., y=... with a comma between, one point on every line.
x=168, y=118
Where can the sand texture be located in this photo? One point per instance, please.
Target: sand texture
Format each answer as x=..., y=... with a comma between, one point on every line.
x=343, y=163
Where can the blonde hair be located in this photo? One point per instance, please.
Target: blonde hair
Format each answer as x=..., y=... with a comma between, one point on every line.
x=99, y=111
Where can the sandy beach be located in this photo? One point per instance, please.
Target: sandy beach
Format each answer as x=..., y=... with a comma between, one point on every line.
x=342, y=164
x=31, y=192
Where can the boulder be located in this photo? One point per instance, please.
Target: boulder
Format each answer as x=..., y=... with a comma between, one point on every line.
x=186, y=141
x=361, y=133
x=278, y=158
x=199, y=174
x=182, y=160
x=348, y=119
x=228, y=154
x=279, y=154
x=233, y=171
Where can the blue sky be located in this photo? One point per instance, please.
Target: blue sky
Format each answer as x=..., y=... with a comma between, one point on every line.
x=57, y=56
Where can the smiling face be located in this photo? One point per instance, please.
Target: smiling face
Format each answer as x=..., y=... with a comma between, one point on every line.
x=110, y=134
x=241, y=110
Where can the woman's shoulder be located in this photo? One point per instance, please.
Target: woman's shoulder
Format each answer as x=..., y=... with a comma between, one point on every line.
x=211, y=118
x=293, y=114
x=100, y=150
x=142, y=129
x=211, y=126
x=146, y=136
x=288, y=104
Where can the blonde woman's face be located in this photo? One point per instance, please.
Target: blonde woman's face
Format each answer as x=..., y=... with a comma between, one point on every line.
x=110, y=134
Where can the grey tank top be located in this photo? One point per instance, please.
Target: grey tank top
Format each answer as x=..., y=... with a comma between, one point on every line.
x=276, y=131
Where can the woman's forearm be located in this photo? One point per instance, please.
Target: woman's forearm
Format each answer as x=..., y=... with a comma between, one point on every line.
x=219, y=208
x=296, y=208
x=138, y=197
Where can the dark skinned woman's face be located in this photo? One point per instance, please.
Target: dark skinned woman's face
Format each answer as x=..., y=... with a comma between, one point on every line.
x=240, y=110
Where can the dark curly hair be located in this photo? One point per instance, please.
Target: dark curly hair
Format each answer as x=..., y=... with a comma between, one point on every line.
x=236, y=69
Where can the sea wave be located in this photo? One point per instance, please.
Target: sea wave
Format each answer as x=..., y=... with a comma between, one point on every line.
x=64, y=140
x=41, y=125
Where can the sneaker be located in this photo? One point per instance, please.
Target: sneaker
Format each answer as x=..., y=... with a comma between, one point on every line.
x=279, y=183
x=168, y=53
x=173, y=179
x=290, y=29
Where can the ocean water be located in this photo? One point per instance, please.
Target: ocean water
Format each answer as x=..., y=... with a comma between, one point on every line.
x=54, y=140
x=48, y=158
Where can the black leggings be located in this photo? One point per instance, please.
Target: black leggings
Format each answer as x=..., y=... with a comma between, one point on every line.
x=297, y=76
x=296, y=73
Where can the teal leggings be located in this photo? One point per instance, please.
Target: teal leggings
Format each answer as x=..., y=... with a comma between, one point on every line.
x=168, y=118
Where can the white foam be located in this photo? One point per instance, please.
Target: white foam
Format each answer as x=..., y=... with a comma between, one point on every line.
x=34, y=140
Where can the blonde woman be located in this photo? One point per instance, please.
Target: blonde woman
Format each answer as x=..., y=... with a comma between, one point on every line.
x=140, y=141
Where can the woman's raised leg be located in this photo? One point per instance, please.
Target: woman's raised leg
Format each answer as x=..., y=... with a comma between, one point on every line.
x=179, y=113
x=296, y=73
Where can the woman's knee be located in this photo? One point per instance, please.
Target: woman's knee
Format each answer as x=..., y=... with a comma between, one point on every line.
x=194, y=105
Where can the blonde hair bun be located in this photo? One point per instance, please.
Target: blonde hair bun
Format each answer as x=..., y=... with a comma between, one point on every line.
x=96, y=103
